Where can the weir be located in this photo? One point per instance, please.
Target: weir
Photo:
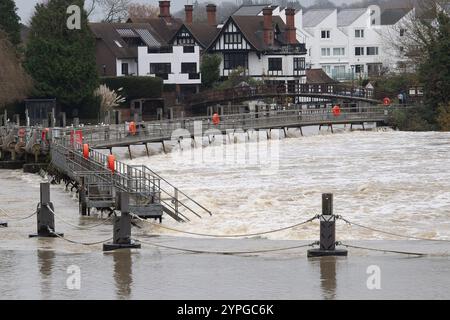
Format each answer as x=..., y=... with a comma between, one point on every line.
x=98, y=178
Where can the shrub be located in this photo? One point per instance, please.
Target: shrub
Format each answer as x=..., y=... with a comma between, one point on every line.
x=135, y=87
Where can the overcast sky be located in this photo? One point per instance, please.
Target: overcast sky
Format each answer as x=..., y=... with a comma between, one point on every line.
x=26, y=7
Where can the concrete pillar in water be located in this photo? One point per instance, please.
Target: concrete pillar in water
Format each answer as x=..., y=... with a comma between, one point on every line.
x=45, y=216
x=122, y=226
x=327, y=231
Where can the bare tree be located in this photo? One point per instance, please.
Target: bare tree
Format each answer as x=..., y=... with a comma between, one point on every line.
x=14, y=82
x=114, y=10
x=142, y=11
x=414, y=35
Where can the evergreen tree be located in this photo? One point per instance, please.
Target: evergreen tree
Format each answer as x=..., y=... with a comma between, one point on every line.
x=10, y=21
x=210, y=69
x=61, y=61
x=434, y=72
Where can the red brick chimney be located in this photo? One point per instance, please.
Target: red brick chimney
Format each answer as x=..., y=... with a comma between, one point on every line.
x=164, y=9
x=211, y=11
x=188, y=9
x=291, y=31
x=268, y=27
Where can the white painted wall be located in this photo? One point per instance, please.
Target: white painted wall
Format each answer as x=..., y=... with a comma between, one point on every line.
x=132, y=67
x=175, y=59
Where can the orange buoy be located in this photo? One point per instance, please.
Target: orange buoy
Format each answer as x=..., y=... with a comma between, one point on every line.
x=216, y=119
x=132, y=128
x=387, y=101
x=86, y=151
x=112, y=163
x=336, y=111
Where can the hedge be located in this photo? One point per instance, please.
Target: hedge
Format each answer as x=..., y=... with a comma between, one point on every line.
x=135, y=87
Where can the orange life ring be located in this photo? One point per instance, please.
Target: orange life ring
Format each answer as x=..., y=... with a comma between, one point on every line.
x=216, y=119
x=112, y=163
x=336, y=111
x=387, y=101
x=86, y=151
x=132, y=128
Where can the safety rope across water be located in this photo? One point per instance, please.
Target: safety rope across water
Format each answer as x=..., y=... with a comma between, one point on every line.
x=228, y=235
x=381, y=250
x=76, y=226
x=78, y=242
x=17, y=219
x=226, y=252
x=389, y=233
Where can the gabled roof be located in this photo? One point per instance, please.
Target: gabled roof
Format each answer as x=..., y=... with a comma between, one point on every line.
x=392, y=16
x=251, y=10
x=253, y=30
x=111, y=34
x=165, y=27
x=312, y=18
x=203, y=33
x=346, y=17
x=318, y=76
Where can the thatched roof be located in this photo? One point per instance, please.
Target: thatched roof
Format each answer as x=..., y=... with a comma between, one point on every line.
x=14, y=82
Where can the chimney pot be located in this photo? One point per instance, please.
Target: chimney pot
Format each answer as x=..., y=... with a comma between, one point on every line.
x=164, y=9
x=189, y=13
x=268, y=27
x=291, y=36
x=211, y=12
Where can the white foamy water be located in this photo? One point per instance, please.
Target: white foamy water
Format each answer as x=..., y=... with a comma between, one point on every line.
x=396, y=181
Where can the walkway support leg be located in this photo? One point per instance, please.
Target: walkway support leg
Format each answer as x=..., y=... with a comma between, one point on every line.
x=327, y=231
x=122, y=227
x=45, y=216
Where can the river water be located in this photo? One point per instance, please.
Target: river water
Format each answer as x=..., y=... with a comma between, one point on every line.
x=395, y=181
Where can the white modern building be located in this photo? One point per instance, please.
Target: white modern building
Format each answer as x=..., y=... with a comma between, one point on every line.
x=349, y=43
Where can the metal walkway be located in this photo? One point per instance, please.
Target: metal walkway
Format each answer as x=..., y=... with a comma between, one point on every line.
x=150, y=194
x=107, y=137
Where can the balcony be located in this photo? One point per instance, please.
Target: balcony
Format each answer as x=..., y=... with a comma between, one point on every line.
x=194, y=76
x=299, y=49
x=164, y=76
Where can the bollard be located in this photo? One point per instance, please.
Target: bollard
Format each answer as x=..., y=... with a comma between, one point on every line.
x=122, y=226
x=45, y=218
x=82, y=206
x=327, y=231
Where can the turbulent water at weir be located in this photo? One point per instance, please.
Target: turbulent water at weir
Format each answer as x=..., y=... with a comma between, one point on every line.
x=396, y=181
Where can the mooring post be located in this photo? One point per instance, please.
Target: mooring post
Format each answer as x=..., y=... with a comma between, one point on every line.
x=122, y=226
x=82, y=198
x=45, y=216
x=327, y=231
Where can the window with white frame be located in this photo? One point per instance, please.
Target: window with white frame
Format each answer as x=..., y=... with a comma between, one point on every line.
x=325, y=34
x=372, y=51
x=359, y=33
x=359, y=51
x=325, y=52
x=338, y=51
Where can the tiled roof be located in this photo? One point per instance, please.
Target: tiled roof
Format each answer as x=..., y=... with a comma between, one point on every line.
x=317, y=76
x=250, y=10
x=346, y=17
x=392, y=16
x=312, y=18
x=203, y=33
x=253, y=30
